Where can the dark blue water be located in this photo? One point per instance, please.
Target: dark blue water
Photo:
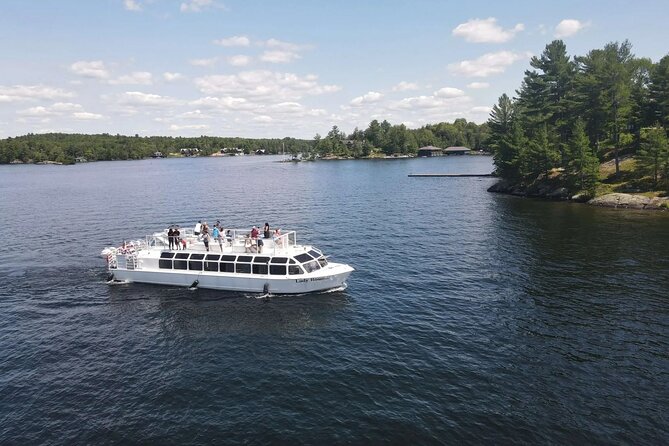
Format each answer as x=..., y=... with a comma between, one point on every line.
x=471, y=317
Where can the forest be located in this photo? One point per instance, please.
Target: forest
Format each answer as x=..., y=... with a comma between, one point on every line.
x=379, y=138
x=595, y=123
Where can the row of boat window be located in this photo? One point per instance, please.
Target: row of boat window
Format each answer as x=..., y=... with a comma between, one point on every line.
x=311, y=261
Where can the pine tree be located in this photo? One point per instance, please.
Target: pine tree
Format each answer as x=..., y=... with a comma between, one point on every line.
x=583, y=169
x=653, y=158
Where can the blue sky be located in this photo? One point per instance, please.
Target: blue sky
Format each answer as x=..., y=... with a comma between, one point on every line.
x=285, y=68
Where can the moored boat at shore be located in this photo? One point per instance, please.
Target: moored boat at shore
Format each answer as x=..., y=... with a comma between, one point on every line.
x=277, y=265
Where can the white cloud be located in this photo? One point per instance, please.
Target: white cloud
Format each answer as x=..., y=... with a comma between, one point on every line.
x=136, y=78
x=405, y=86
x=171, y=77
x=233, y=41
x=196, y=5
x=65, y=109
x=569, y=27
x=486, y=31
x=239, y=60
x=478, y=85
x=488, y=64
x=203, y=62
x=132, y=5
x=263, y=118
x=449, y=92
x=35, y=112
x=224, y=103
x=367, y=98
x=94, y=68
x=484, y=109
x=285, y=46
x=263, y=85
x=137, y=98
x=177, y=127
x=195, y=114
x=18, y=93
x=85, y=116
x=279, y=56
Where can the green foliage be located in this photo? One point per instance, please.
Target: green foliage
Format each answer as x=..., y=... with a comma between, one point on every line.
x=65, y=148
x=571, y=112
x=583, y=169
x=653, y=158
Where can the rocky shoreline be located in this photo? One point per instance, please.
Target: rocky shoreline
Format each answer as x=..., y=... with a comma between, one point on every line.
x=560, y=193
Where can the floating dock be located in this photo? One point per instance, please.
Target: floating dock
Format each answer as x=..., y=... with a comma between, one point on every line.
x=451, y=175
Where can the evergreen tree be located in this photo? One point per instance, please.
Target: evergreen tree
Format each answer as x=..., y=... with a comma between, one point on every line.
x=583, y=169
x=653, y=158
x=542, y=156
x=509, y=154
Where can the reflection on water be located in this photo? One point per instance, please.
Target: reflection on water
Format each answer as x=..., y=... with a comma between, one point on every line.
x=472, y=317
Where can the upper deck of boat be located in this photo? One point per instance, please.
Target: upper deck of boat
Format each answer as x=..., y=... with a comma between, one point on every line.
x=237, y=242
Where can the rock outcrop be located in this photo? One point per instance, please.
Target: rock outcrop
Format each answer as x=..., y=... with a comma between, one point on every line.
x=630, y=201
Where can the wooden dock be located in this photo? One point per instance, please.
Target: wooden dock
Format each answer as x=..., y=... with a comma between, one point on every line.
x=451, y=175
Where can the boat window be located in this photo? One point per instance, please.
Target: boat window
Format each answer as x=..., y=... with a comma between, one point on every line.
x=165, y=264
x=181, y=255
x=228, y=258
x=292, y=261
x=166, y=255
x=323, y=262
x=180, y=264
x=279, y=260
x=260, y=268
x=261, y=259
x=303, y=258
x=227, y=267
x=213, y=257
x=315, y=254
x=197, y=256
x=244, y=258
x=312, y=266
x=195, y=265
x=244, y=268
x=211, y=266
x=278, y=270
x=294, y=269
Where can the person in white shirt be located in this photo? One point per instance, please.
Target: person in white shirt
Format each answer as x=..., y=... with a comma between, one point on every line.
x=198, y=227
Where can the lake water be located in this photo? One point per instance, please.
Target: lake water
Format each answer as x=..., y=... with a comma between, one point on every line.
x=471, y=317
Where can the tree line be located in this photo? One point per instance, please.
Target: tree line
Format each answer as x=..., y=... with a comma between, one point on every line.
x=65, y=148
x=571, y=113
x=387, y=139
x=377, y=138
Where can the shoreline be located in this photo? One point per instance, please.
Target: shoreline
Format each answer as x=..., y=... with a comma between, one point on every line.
x=614, y=200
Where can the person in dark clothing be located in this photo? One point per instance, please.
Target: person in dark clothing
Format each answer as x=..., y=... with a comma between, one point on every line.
x=170, y=238
x=266, y=232
x=177, y=237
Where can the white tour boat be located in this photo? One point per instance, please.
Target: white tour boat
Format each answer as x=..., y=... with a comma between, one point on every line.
x=278, y=265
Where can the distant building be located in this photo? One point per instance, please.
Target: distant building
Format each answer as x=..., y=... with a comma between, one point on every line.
x=189, y=151
x=428, y=151
x=456, y=150
x=157, y=155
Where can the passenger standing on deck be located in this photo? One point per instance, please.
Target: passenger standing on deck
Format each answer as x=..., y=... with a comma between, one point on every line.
x=177, y=237
x=216, y=233
x=254, y=232
x=205, y=240
x=198, y=228
x=278, y=241
x=266, y=231
x=170, y=238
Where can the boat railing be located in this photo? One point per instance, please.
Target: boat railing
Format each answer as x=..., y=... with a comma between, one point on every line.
x=238, y=240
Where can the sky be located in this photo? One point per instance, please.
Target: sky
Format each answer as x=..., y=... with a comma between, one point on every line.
x=285, y=68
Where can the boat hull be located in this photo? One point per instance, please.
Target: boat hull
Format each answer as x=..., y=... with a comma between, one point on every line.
x=330, y=279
